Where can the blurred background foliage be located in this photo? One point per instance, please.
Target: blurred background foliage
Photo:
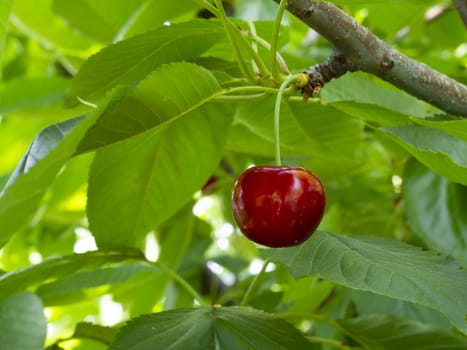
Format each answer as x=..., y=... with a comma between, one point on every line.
x=43, y=46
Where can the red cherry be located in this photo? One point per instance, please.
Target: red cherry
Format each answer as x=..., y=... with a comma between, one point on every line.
x=278, y=206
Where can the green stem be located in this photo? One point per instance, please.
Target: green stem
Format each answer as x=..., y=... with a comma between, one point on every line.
x=230, y=33
x=240, y=98
x=275, y=36
x=267, y=46
x=207, y=5
x=253, y=284
x=326, y=341
x=180, y=280
x=277, y=109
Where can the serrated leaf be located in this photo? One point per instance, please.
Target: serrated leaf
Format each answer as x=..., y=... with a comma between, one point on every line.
x=166, y=95
x=457, y=128
x=382, y=266
x=129, y=61
x=438, y=150
x=435, y=209
x=383, y=332
x=17, y=281
x=23, y=325
x=21, y=196
x=150, y=176
x=219, y=328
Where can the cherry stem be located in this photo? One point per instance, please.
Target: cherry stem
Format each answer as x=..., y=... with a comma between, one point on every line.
x=275, y=35
x=277, y=110
x=253, y=284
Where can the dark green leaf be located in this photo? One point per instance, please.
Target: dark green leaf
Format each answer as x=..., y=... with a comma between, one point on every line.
x=101, y=334
x=436, y=210
x=381, y=266
x=131, y=60
x=209, y=328
x=438, y=150
x=23, y=325
x=19, y=280
x=382, y=332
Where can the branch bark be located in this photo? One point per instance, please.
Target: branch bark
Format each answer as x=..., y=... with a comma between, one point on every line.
x=359, y=49
x=461, y=6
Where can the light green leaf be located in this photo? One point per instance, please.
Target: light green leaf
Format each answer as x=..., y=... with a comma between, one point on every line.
x=62, y=290
x=225, y=328
x=41, y=24
x=101, y=19
x=435, y=209
x=382, y=332
x=438, y=150
x=150, y=176
x=21, y=197
x=152, y=104
x=23, y=324
x=131, y=60
x=382, y=266
x=17, y=281
x=5, y=11
x=27, y=93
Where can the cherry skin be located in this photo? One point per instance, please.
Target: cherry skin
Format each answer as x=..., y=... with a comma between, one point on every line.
x=278, y=206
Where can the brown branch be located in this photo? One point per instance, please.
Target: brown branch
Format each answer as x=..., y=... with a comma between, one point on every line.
x=461, y=6
x=364, y=51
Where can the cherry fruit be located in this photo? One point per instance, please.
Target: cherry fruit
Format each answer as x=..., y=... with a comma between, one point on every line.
x=278, y=206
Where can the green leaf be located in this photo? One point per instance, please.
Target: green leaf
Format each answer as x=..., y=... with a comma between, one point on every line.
x=382, y=266
x=5, y=11
x=209, y=328
x=17, y=281
x=61, y=290
x=101, y=20
x=435, y=209
x=129, y=61
x=31, y=92
x=457, y=128
x=41, y=24
x=23, y=325
x=152, y=104
x=150, y=176
x=101, y=334
x=382, y=332
x=363, y=89
x=438, y=150
x=367, y=303
x=20, y=199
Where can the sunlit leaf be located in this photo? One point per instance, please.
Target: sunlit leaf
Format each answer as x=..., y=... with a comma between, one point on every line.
x=131, y=60
x=18, y=280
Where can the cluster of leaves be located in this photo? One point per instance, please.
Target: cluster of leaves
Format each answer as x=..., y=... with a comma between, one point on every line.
x=132, y=105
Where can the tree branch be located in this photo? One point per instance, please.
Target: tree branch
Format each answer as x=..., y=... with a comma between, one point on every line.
x=461, y=6
x=356, y=48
